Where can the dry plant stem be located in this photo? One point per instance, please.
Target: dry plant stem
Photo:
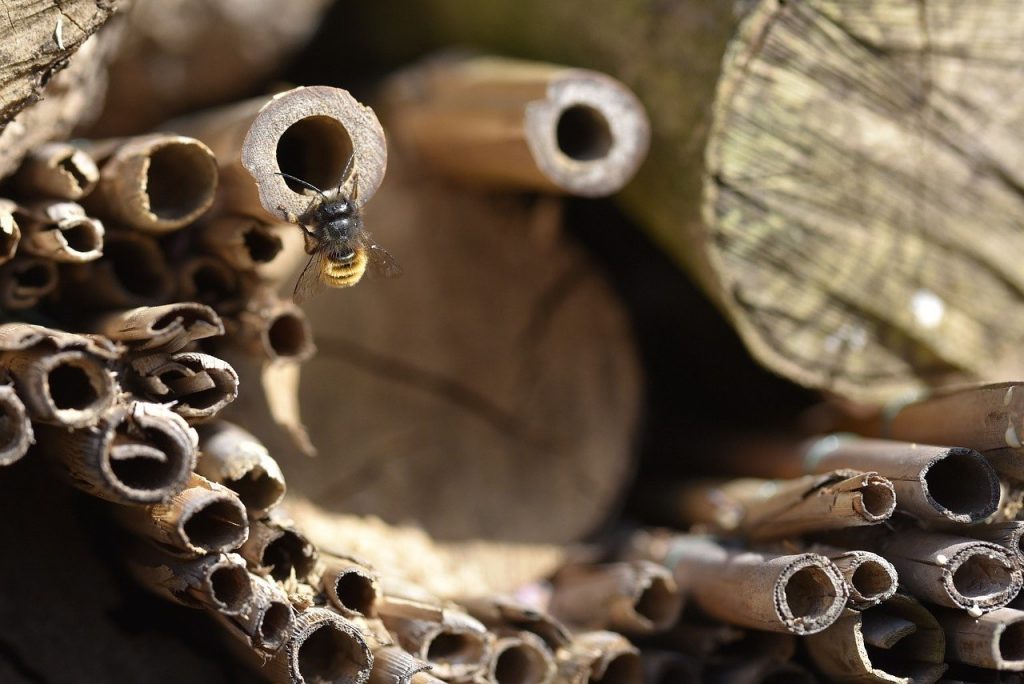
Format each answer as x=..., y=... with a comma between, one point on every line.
x=604, y=657
x=1009, y=535
x=938, y=485
x=10, y=231
x=275, y=329
x=392, y=665
x=59, y=170
x=203, y=518
x=168, y=328
x=773, y=509
x=211, y=281
x=801, y=593
x=520, y=658
x=25, y=281
x=897, y=641
x=503, y=613
x=155, y=183
x=306, y=132
x=637, y=596
x=323, y=647
x=136, y=454
x=266, y=620
x=350, y=587
x=510, y=123
x=196, y=386
x=278, y=550
x=952, y=571
x=456, y=645
x=994, y=640
x=133, y=272
x=870, y=578
x=244, y=242
x=15, y=428
x=237, y=460
x=669, y=667
x=60, y=231
x=217, y=581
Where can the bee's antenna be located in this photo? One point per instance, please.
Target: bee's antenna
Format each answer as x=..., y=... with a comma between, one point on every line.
x=347, y=171
x=302, y=182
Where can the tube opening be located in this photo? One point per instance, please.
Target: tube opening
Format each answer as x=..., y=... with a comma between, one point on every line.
x=315, y=149
x=963, y=484
x=981, y=576
x=153, y=465
x=36, y=275
x=83, y=237
x=230, y=587
x=286, y=553
x=180, y=181
x=219, y=525
x=11, y=426
x=212, y=282
x=520, y=664
x=455, y=648
x=583, y=133
x=186, y=315
x=810, y=593
x=625, y=668
x=287, y=335
x=75, y=386
x=138, y=266
x=1011, y=642
x=69, y=165
x=878, y=500
x=261, y=244
x=872, y=580
x=659, y=602
x=275, y=623
x=330, y=655
x=256, y=489
x=355, y=591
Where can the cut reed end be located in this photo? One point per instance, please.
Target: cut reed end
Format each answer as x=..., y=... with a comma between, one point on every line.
x=352, y=590
x=451, y=651
x=58, y=170
x=810, y=594
x=877, y=499
x=25, y=281
x=288, y=335
x=280, y=551
x=982, y=577
x=325, y=649
x=61, y=231
x=15, y=428
x=10, y=231
x=258, y=489
x=228, y=588
x=659, y=602
x=871, y=581
x=70, y=388
x=961, y=485
x=211, y=281
x=217, y=523
x=521, y=661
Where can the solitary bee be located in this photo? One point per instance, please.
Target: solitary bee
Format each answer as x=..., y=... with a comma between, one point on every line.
x=340, y=250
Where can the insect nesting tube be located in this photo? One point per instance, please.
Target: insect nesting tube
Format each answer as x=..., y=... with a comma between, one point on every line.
x=323, y=647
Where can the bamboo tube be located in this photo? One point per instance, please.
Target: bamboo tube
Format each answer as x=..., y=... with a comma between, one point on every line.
x=512, y=123
x=211, y=281
x=275, y=329
x=934, y=484
x=237, y=460
x=897, y=641
x=243, y=242
x=323, y=648
x=350, y=587
x=1009, y=535
x=399, y=598
x=994, y=640
x=60, y=231
x=952, y=571
x=870, y=578
x=392, y=665
x=24, y=282
x=266, y=621
x=278, y=550
x=218, y=581
x=133, y=272
x=137, y=454
x=456, y=645
x=669, y=667
x=604, y=657
x=62, y=378
x=59, y=170
x=773, y=509
x=520, y=658
x=196, y=386
x=307, y=132
x=155, y=183
x=203, y=518
x=10, y=231
x=505, y=613
x=638, y=596
x=800, y=594
x=168, y=328
x=15, y=428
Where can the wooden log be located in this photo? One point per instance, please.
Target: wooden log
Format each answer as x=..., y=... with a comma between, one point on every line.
x=58, y=170
x=517, y=124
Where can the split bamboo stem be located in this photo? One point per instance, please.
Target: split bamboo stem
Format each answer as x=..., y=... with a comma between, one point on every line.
x=323, y=648
x=138, y=453
x=510, y=123
x=994, y=641
x=870, y=578
x=25, y=281
x=604, y=657
x=168, y=328
x=773, y=509
x=799, y=594
x=898, y=642
x=217, y=581
x=15, y=428
x=237, y=460
x=456, y=645
x=155, y=183
x=278, y=550
x=392, y=665
x=638, y=596
x=204, y=518
x=10, y=231
x=196, y=386
x=133, y=272
x=60, y=231
x=243, y=242
x=308, y=132
x=58, y=170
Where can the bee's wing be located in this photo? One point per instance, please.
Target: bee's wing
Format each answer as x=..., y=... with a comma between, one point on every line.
x=380, y=262
x=309, y=283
